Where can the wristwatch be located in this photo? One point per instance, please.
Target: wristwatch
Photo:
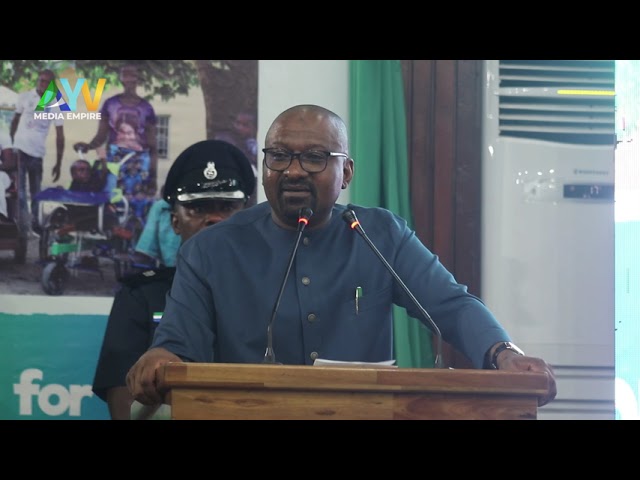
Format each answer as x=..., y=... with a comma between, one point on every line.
x=500, y=348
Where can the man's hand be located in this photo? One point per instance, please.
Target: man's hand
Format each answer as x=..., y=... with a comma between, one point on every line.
x=141, y=378
x=55, y=172
x=508, y=360
x=81, y=147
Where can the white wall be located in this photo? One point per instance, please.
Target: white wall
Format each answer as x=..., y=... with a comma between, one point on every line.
x=285, y=83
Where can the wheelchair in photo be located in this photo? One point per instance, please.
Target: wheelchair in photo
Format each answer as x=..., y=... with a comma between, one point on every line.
x=79, y=230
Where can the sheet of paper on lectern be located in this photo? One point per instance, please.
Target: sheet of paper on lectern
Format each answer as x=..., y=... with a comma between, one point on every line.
x=338, y=363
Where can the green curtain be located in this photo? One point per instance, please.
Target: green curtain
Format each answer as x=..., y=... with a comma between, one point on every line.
x=378, y=132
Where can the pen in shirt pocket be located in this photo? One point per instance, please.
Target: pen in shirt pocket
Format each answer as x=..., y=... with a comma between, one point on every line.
x=358, y=297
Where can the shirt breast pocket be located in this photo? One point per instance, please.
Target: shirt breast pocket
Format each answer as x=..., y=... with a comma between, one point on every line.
x=367, y=301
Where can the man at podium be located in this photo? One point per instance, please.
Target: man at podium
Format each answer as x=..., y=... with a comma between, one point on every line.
x=294, y=276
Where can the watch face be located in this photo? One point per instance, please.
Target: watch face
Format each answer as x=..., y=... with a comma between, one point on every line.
x=515, y=348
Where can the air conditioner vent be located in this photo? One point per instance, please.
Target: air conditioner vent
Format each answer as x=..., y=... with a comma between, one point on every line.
x=569, y=101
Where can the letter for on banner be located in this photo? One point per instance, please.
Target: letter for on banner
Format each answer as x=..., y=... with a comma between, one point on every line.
x=27, y=389
x=77, y=393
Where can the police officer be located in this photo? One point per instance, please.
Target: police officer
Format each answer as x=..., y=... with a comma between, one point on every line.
x=208, y=182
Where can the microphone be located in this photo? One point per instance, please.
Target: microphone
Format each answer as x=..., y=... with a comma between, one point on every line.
x=349, y=216
x=303, y=219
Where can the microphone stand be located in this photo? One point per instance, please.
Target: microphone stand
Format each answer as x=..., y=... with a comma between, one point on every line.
x=269, y=356
x=350, y=217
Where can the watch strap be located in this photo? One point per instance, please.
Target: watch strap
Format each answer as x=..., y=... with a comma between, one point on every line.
x=499, y=349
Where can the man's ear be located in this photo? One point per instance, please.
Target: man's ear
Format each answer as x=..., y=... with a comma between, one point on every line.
x=347, y=171
x=175, y=224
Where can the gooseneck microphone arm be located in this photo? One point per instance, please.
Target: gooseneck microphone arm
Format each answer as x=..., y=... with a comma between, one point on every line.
x=303, y=218
x=349, y=216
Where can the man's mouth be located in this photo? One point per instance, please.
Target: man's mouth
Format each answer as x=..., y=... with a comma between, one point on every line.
x=295, y=190
x=296, y=193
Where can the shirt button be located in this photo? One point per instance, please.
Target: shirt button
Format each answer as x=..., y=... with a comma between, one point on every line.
x=306, y=280
x=313, y=355
x=311, y=317
x=306, y=241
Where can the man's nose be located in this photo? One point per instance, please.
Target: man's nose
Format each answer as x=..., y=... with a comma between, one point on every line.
x=295, y=169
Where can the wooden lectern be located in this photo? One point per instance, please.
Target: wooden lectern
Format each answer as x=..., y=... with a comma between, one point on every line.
x=224, y=391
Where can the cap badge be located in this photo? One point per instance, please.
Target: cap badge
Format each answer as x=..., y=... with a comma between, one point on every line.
x=210, y=172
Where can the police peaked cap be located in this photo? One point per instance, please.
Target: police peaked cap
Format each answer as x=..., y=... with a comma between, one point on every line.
x=210, y=169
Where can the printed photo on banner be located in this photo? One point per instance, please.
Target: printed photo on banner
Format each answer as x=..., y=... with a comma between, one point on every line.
x=85, y=146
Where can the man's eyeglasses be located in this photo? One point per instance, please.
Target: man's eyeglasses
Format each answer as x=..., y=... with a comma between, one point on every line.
x=311, y=161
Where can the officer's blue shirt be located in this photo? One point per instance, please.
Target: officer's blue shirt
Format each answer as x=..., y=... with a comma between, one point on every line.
x=158, y=240
x=229, y=275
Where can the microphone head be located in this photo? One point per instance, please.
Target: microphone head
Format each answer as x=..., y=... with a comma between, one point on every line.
x=303, y=217
x=305, y=214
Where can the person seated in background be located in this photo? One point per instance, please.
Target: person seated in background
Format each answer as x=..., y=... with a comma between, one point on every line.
x=91, y=187
x=85, y=178
x=209, y=181
x=96, y=177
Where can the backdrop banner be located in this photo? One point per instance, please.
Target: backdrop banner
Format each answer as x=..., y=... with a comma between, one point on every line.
x=60, y=262
x=48, y=360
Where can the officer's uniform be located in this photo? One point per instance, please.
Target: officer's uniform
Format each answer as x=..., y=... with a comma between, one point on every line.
x=135, y=314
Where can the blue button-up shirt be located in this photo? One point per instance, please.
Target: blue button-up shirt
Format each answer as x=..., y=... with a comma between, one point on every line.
x=229, y=275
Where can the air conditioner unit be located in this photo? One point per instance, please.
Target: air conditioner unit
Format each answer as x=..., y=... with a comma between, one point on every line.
x=548, y=221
